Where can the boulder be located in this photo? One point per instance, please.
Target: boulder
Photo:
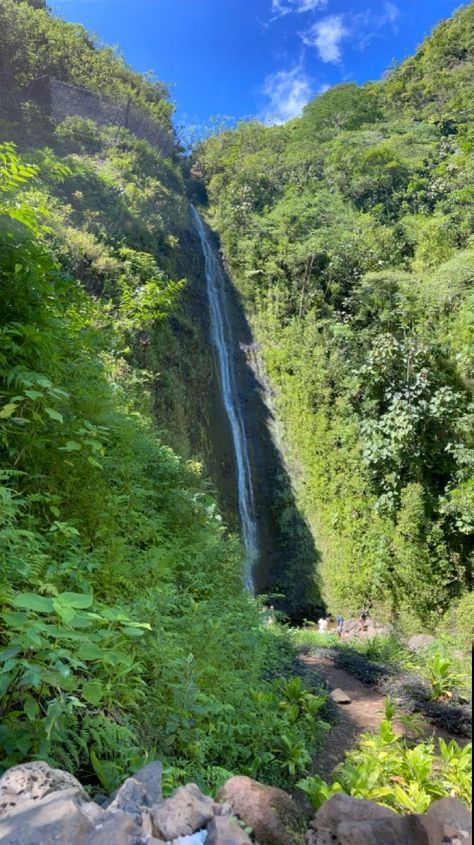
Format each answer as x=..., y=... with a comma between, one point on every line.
x=354, y=821
x=271, y=813
x=341, y=807
x=224, y=831
x=420, y=641
x=131, y=797
x=56, y=818
x=186, y=811
x=448, y=820
x=116, y=828
x=340, y=697
x=401, y=830
x=150, y=777
x=31, y=782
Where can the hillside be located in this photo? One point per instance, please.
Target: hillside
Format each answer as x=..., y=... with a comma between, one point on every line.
x=126, y=633
x=125, y=630
x=349, y=233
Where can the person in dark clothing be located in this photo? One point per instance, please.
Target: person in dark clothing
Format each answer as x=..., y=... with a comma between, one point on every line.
x=364, y=615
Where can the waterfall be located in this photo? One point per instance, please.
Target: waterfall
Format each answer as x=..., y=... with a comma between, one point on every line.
x=221, y=337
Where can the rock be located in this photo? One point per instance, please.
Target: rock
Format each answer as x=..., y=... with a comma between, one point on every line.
x=222, y=809
x=401, y=830
x=341, y=807
x=186, y=811
x=131, y=797
x=271, y=813
x=340, y=697
x=56, y=818
x=447, y=820
x=33, y=781
x=420, y=642
x=224, y=831
x=150, y=777
x=117, y=828
x=354, y=821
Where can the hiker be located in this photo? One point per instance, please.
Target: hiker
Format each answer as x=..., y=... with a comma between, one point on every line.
x=364, y=615
x=322, y=625
x=340, y=625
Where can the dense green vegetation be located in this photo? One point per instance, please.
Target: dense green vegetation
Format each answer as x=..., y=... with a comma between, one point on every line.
x=350, y=234
x=125, y=633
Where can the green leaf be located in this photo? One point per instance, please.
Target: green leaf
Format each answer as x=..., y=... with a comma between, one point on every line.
x=93, y=692
x=33, y=394
x=78, y=600
x=133, y=632
x=31, y=601
x=8, y=410
x=94, y=463
x=90, y=651
x=66, y=612
x=71, y=446
x=54, y=415
x=31, y=708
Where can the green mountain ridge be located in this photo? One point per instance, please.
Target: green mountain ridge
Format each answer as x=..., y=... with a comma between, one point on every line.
x=349, y=232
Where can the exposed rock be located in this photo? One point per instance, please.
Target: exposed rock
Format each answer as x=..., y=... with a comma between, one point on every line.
x=222, y=809
x=420, y=642
x=340, y=697
x=224, y=831
x=186, y=811
x=33, y=781
x=57, y=818
x=117, y=828
x=150, y=777
x=131, y=797
x=401, y=830
x=353, y=821
x=447, y=820
x=270, y=812
x=341, y=807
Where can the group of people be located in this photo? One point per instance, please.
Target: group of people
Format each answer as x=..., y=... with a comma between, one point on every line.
x=363, y=617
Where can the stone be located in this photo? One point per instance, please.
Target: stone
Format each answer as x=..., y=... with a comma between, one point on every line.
x=448, y=819
x=186, y=811
x=131, y=797
x=354, y=821
x=341, y=807
x=224, y=831
x=56, y=818
x=400, y=830
x=150, y=777
x=116, y=828
x=33, y=781
x=222, y=809
x=420, y=641
x=271, y=813
x=340, y=697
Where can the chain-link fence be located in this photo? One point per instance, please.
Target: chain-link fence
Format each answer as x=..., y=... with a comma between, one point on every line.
x=61, y=99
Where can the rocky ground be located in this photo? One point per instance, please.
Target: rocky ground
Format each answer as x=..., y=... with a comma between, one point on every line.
x=44, y=806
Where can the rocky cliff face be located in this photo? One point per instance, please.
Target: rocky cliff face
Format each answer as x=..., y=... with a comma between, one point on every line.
x=44, y=806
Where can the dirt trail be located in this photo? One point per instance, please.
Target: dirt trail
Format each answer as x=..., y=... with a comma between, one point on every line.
x=364, y=713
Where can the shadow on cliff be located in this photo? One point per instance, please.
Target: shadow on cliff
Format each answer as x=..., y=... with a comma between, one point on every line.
x=289, y=560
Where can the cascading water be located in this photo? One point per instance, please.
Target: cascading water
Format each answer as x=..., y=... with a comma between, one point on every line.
x=221, y=338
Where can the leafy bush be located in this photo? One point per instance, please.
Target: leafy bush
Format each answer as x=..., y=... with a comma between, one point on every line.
x=395, y=773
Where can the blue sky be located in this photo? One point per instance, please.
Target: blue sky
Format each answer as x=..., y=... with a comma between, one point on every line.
x=257, y=58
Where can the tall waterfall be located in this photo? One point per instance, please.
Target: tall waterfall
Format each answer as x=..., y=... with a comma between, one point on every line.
x=221, y=337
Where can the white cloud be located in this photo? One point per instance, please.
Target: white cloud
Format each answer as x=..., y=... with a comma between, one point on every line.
x=326, y=36
x=287, y=91
x=280, y=8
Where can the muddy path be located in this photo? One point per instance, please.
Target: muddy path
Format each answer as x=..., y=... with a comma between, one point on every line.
x=364, y=713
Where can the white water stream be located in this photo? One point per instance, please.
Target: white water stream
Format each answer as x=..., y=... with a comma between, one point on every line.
x=221, y=337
